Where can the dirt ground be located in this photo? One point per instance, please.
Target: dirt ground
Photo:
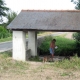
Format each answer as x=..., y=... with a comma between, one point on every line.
x=41, y=71
x=69, y=35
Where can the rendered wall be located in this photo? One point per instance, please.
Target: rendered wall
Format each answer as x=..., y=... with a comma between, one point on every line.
x=32, y=42
x=19, y=45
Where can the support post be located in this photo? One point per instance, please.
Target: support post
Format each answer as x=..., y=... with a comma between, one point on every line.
x=19, y=45
x=32, y=42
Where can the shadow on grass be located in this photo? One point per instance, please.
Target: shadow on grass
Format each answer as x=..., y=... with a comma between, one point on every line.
x=35, y=58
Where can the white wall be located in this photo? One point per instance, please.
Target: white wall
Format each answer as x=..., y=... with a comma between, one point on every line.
x=19, y=45
x=32, y=42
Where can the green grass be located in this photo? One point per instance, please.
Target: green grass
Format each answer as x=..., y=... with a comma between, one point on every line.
x=6, y=39
x=66, y=74
x=36, y=58
x=73, y=63
x=65, y=64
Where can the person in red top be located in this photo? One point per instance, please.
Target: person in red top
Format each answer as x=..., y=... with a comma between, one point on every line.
x=52, y=47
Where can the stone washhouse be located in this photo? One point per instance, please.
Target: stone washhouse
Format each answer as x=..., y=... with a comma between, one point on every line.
x=32, y=21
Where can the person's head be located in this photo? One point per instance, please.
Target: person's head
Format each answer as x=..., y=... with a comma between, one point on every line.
x=54, y=40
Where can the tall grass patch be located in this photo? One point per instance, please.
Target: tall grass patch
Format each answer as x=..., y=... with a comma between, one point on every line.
x=73, y=63
x=9, y=65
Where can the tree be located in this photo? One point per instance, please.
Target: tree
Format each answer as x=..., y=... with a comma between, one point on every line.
x=77, y=2
x=10, y=16
x=76, y=35
x=3, y=10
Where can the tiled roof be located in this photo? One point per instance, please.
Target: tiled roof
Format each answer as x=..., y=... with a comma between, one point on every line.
x=53, y=20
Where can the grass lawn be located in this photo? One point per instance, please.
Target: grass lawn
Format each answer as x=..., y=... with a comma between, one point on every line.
x=6, y=39
x=34, y=70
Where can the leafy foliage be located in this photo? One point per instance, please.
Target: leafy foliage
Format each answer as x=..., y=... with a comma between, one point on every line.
x=4, y=32
x=65, y=46
x=44, y=47
x=3, y=9
x=76, y=36
x=10, y=16
x=77, y=2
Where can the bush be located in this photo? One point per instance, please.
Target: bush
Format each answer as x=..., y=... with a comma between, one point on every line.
x=44, y=47
x=4, y=32
x=77, y=49
x=76, y=36
x=65, y=46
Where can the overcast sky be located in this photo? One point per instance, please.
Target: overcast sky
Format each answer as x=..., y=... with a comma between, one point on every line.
x=18, y=5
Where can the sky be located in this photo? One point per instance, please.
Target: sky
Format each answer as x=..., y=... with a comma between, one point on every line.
x=18, y=5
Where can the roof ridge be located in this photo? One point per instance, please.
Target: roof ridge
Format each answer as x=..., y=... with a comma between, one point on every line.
x=52, y=10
